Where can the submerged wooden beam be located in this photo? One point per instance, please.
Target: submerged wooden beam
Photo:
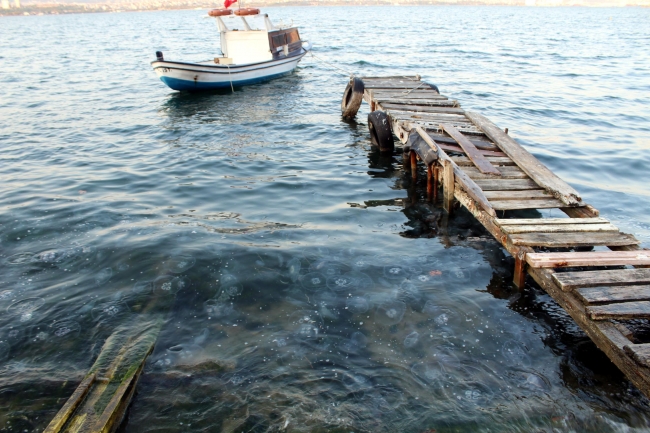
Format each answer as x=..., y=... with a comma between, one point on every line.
x=524, y=159
x=99, y=403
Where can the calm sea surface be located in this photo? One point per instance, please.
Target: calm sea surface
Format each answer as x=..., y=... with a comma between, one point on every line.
x=308, y=287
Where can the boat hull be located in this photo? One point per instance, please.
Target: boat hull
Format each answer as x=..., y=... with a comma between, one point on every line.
x=198, y=77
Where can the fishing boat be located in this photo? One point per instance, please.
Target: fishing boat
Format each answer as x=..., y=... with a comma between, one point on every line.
x=248, y=55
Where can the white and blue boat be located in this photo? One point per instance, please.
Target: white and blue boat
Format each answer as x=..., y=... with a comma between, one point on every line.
x=249, y=55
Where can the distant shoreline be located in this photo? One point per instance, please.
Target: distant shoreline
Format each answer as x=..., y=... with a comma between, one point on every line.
x=149, y=5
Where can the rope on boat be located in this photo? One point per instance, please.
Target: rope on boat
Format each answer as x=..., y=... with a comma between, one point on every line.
x=230, y=78
x=346, y=73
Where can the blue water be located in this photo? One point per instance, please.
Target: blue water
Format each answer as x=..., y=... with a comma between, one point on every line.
x=302, y=263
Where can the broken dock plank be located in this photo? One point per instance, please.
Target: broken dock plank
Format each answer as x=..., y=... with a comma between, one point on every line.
x=483, y=165
x=535, y=169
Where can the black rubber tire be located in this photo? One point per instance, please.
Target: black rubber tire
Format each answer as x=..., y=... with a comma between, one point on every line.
x=381, y=134
x=352, y=97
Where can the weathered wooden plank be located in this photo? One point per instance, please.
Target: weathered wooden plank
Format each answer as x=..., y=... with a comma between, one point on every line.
x=480, y=144
x=422, y=108
x=564, y=240
x=458, y=149
x=482, y=164
x=620, y=311
x=403, y=94
x=640, y=353
x=506, y=184
x=601, y=295
x=618, y=277
x=495, y=160
x=395, y=85
x=586, y=211
x=507, y=172
x=518, y=195
x=549, y=203
x=531, y=165
x=433, y=117
x=560, y=228
x=424, y=102
x=552, y=221
x=421, y=92
x=432, y=120
x=460, y=177
x=591, y=258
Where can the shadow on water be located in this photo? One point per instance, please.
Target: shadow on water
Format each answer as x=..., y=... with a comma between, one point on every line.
x=223, y=105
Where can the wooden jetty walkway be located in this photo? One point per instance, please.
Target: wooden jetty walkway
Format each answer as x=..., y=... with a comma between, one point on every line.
x=481, y=167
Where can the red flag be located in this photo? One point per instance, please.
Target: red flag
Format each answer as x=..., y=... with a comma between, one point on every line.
x=227, y=3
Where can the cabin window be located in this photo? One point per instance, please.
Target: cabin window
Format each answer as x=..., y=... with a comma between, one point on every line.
x=292, y=36
x=278, y=40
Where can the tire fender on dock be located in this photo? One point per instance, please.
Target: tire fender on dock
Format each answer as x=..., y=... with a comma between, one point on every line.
x=381, y=134
x=352, y=97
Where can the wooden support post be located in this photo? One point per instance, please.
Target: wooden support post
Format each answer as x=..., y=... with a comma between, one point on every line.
x=520, y=270
x=448, y=185
x=436, y=175
x=414, y=165
x=430, y=183
x=406, y=160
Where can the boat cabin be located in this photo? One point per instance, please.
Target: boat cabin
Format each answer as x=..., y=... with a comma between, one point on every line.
x=250, y=45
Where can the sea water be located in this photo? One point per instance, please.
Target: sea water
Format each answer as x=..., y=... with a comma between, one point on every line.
x=309, y=286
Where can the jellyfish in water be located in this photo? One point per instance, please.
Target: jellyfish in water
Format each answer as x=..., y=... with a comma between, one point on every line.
x=179, y=264
x=395, y=272
x=515, y=353
x=108, y=310
x=169, y=285
x=392, y=312
x=357, y=304
x=20, y=258
x=6, y=295
x=103, y=276
x=411, y=340
x=313, y=281
x=25, y=308
x=294, y=266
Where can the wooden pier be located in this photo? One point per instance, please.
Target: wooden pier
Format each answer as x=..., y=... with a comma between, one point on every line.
x=481, y=167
